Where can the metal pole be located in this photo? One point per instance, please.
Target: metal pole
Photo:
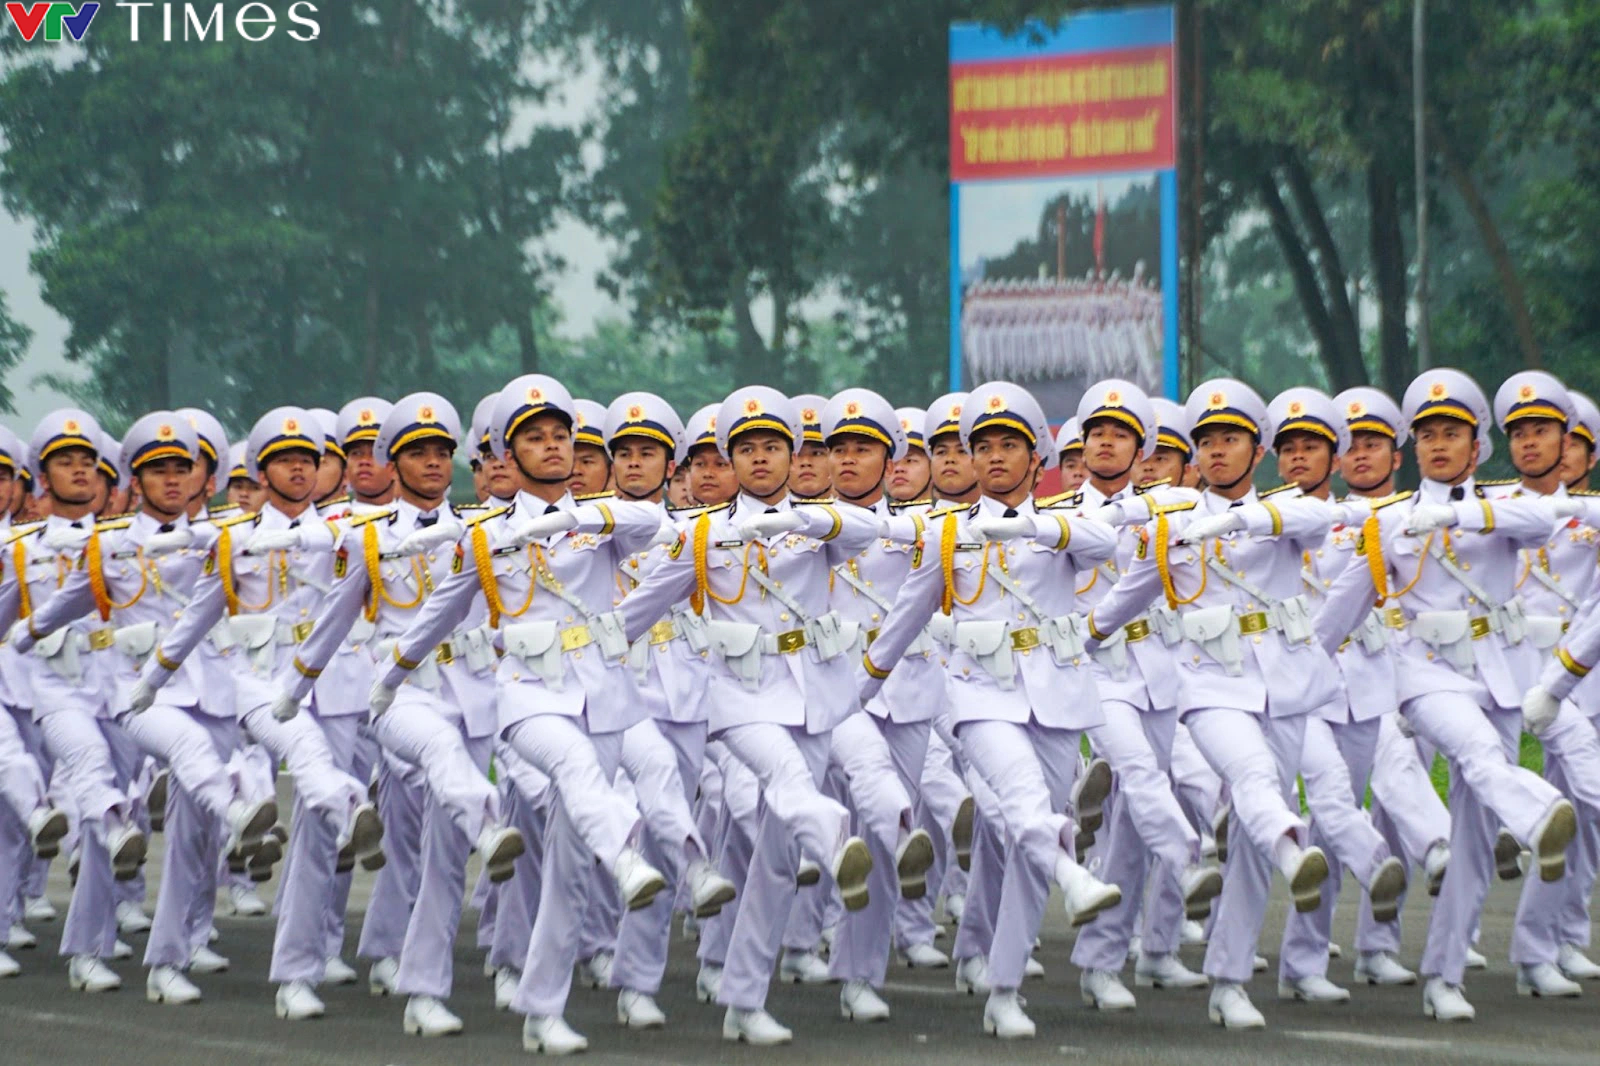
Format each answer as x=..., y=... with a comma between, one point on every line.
x=1419, y=119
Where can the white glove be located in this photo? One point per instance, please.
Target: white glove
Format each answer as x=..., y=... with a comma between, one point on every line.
x=1567, y=506
x=1211, y=526
x=762, y=526
x=1539, y=710
x=285, y=707
x=1403, y=724
x=666, y=534
x=163, y=543
x=379, y=698
x=263, y=541
x=541, y=527
x=1427, y=517
x=996, y=527
x=141, y=697
x=19, y=633
x=423, y=541
x=1111, y=514
x=65, y=539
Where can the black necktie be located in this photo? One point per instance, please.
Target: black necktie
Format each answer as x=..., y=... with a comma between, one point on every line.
x=551, y=508
x=1011, y=512
x=165, y=527
x=426, y=520
x=1458, y=494
x=772, y=510
x=1235, y=503
x=295, y=524
x=77, y=525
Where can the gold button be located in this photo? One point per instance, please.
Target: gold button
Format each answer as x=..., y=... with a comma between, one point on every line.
x=868, y=584
x=1466, y=566
x=1319, y=553
x=1256, y=639
x=875, y=616
x=516, y=677
x=1022, y=618
x=304, y=612
x=1241, y=573
x=568, y=618
x=1430, y=656
x=1197, y=660
x=966, y=671
x=784, y=617
x=577, y=655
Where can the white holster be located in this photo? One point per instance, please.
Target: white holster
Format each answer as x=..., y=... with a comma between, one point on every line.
x=1449, y=633
x=1064, y=637
x=608, y=634
x=738, y=645
x=137, y=641
x=221, y=636
x=942, y=628
x=60, y=650
x=537, y=645
x=1167, y=625
x=826, y=636
x=1510, y=620
x=693, y=628
x=478, y=646
x=1373, y=636
x=258, y=634
x=1216, y=631
x=1544, y=630
x=1113, y=654
x=989, y=644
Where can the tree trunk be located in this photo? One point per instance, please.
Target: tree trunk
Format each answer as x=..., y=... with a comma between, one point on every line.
x=1304, y=275
x=527, y=340
x=369, y=355
x=1334, y=278
x=1389, y=268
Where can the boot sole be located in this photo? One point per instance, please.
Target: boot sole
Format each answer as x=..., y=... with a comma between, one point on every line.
x=1090, y=802
x=1507, y=852
x=850, y=872
x=712, y=906
x=259, y=825
x=1386, y=890
x=47, y=841
x=501, y=862
x=1104, y=903
x=1551, y=847
x=1306, y=886
x=912, y=867
x=961, y=832
x=1217, y=1019
x=1197, y=905
x=126, y=862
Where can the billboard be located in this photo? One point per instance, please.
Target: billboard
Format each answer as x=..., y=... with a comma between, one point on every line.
x=1064, y=205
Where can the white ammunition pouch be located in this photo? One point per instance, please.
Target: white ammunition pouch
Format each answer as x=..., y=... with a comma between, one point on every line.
x=1216, y=631
x=1373, y=636
x=477, y=647
x=739, y=645
x=1449, y=634
x=693, y=628
x=221, y=636
x=1506, y=619
x=1292, y=618
x=942, y=630
x=830, y=637
x=607, y=632
x=137, y=641
x=537, y=645
x=1545, y=630
x=1065, y=637
x=1164, y=621
x=989, y=644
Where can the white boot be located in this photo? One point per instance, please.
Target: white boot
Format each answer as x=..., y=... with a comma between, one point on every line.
x=911, y=862
x=1387, y=886
x=500, y=846
x=1200, y=885
x=1434, y=865
x=961, y=832
x=1230, y=1007
x=296, y=1001
x=1576, y=965
x=167, y=984
x=1104, y=990
x=46, y=827
x=1445, y=1002
x=850, y=869
x=335, y=971
x=552, y=1036
x=1546, y=981
x=204, y=960
x=247, y=822
x=86, y=973
x=1382, y=968
x=1305, y=869
x=859, y=1002
x=636, y=1010
x=708, y=983
x=126, y=847
x=427, y=1016
x=131, y=919
x=9, y=967
x=361, y=837
x=1551, y=837
x=709, y=891
x=1003, y=1016
x=382, y=976
x=1313, y=989
x=506, y=980
x=596, y=969
x=972, y=976
x=1166, y=971
x=924, y=957
x=803, y=968
x=246, y=904
x=1085, y=895
x=754, y=1027
x=637, y=881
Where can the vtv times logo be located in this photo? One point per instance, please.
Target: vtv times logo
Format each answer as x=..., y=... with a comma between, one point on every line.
x=54, y=17
x=254, y=22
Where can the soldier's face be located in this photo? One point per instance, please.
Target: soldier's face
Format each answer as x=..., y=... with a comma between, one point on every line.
x=711, y=477
x=201, y=483
x=1109, y=448
x=1577, y=459
x=1447, y=449
x=1226, y=455
x=291, y=474
x=10, y=488
x=590, y=471
x=164, y=484
x=71, y=475
x=1165, y=464
x=761, y=462
x=1371, y=460
x=1536, y=445
x=857, y=464
x=1005, y=461
x=480, y=482
x=245, y=494
x=908, y=479
x=1073, y=472
x=543, y=448
x=808, y=472
x=499, y=476
x=425, y=468
x=367, y=476
x=1304, y=459
x=640, y=466
x=678, y=493
x=953, y=474
x=330, y=476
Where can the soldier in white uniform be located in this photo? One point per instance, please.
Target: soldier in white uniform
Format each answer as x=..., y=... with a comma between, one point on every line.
x=1138, y=695
x=996, y=561
x=1447, y=556
x=1341, y=741
x=1556, y=580
x=758, y=571
x=1249, y=669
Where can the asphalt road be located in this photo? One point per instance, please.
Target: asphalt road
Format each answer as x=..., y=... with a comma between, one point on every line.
x=42, y=1022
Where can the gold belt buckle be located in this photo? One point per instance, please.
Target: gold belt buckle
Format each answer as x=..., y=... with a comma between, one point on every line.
x=302, y=630
x=574, y=638
x=101, y=639
x=1394, y=618
x=1253, y=623
x=1024, y=639
x=445, y=654
x=1137, y=631
x=1480, y=628
x=791, y=642
x=664, y=631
